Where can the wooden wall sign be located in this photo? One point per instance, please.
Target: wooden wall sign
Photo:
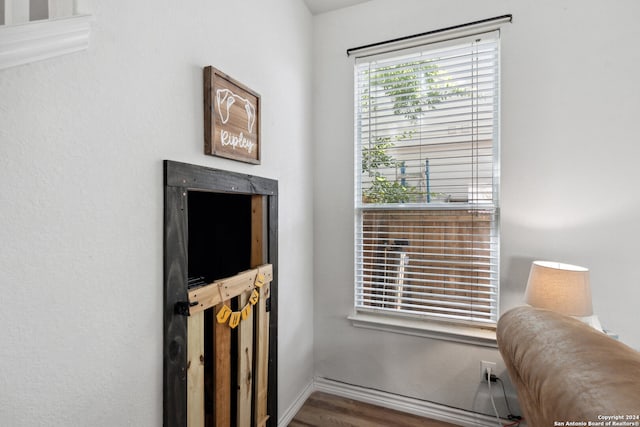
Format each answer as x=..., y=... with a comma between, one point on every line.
x=231, y=118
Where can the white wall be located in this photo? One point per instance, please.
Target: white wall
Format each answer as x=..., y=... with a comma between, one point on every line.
x=570, y=105
x=82, y=139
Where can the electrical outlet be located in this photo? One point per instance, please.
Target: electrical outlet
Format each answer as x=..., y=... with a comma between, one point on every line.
x=484, y=367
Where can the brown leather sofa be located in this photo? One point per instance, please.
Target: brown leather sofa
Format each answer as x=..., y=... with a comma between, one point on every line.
x=567, y=373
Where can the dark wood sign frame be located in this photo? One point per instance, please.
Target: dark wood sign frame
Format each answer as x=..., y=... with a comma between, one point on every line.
x=180, y=179
x=231, y=118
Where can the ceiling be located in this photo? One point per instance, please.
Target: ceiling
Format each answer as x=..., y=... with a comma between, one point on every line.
x=322, y=6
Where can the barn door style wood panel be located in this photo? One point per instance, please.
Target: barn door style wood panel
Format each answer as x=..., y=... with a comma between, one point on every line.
x=220, y=249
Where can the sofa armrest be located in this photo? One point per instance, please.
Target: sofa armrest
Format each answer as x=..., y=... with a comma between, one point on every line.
x=564, y=370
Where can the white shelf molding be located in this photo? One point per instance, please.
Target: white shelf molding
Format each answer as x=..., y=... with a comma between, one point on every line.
x=60, y=8
x=39, y=40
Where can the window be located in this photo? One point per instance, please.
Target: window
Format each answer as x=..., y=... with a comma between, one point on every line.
x=427, y=181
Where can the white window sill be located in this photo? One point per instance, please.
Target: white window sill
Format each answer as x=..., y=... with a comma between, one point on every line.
x=38, y=40
x=424, y=328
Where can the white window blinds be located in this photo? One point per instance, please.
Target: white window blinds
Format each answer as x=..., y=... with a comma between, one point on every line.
x=427, y=181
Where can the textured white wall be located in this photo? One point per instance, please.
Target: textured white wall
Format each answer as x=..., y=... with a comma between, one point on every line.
x=82, y=139
x=570, y=103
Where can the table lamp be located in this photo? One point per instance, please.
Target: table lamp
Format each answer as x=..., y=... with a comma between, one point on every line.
x=563, y=288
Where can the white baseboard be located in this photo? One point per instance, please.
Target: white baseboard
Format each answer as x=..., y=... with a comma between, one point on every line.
x=296, y=405
x=388, y=400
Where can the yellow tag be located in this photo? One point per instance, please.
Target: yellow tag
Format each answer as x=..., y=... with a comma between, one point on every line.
x=223, y=314
x=255, y=296
x=259, y=280
x=235, y=319
x=246, y=311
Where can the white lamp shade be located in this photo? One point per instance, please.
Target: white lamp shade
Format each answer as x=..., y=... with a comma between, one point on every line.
x=559, y=287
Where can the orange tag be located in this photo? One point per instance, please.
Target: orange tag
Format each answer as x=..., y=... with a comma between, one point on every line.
x=235, y=319
x=255, y=296
x=259, y=280
x=223, y=314
x=246, y=311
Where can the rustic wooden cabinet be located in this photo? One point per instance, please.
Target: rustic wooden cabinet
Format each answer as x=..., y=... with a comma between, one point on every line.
x=218, y=224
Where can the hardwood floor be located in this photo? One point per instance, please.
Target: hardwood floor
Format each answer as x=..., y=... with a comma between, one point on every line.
x=324, y=410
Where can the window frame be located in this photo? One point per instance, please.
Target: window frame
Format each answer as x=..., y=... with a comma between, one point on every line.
x=449, y=329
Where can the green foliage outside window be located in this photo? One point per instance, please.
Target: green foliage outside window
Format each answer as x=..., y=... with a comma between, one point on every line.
x=405, y=84
x=381, y=189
